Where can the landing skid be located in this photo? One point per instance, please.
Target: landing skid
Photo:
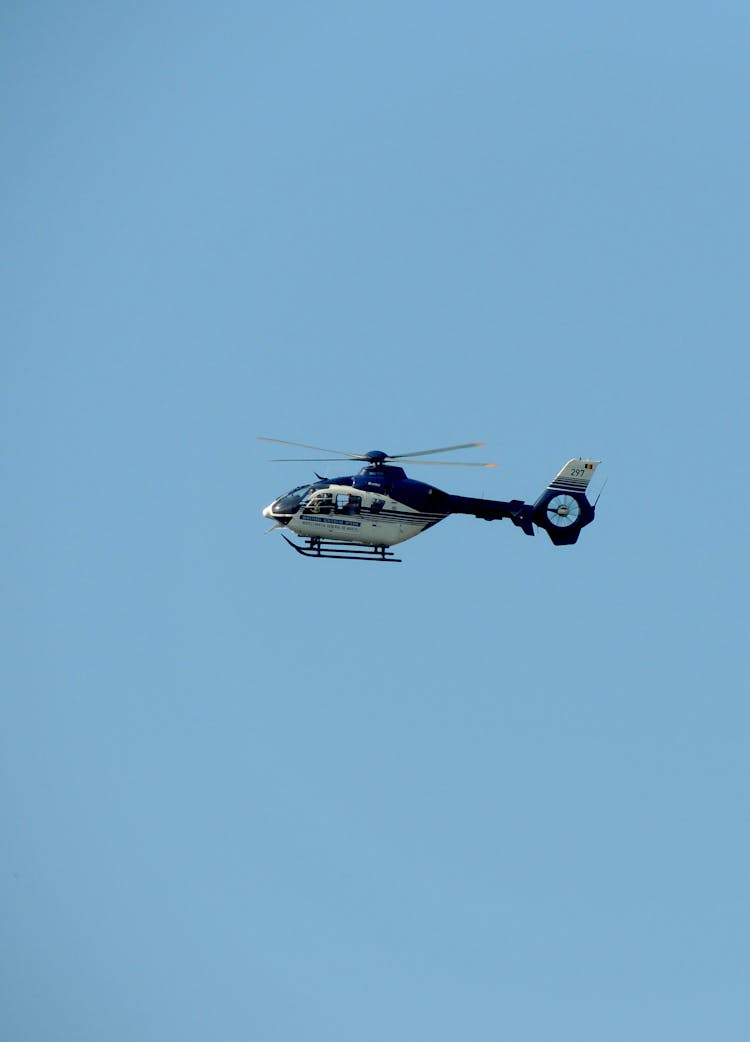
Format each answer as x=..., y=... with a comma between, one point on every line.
x=353, y=551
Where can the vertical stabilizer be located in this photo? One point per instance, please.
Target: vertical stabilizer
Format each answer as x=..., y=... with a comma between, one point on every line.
x=575, y=475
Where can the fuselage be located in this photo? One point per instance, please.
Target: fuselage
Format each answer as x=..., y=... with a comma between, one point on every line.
x=380, y=506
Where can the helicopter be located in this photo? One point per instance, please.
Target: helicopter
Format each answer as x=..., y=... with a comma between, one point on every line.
x=361, y=516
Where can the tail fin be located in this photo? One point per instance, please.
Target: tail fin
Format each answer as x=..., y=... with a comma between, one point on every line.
x=562, y=510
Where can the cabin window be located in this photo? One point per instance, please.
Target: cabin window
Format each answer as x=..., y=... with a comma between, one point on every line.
x=346, y=504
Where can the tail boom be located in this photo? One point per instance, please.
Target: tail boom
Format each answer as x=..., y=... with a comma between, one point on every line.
x=562, y=510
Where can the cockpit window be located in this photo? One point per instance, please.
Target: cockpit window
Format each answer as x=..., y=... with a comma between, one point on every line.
x=294, y=492
x=299, y=497
x=290, y=501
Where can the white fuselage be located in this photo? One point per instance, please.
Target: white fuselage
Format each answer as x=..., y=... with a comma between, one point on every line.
x=353, y=515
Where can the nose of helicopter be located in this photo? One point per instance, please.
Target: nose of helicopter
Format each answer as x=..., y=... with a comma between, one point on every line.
x=267, y=512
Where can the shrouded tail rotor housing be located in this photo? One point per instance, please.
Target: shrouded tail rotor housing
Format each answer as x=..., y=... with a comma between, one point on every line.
x=562, y=515
x=563, y=510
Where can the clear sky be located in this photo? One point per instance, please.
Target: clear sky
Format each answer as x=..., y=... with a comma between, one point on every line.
x=499, y=791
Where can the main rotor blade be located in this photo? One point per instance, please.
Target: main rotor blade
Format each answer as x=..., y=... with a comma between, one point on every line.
x=441, y=463
x=315, y=459
x=446, y=448
x=317, y=448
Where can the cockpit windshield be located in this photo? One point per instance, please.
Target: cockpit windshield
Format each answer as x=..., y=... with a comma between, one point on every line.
x=296, y=493
x=290, y=502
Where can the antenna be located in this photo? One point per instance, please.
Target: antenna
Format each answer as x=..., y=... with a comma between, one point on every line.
x=600, y=491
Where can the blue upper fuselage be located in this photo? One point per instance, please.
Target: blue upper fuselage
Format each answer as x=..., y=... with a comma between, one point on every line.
x=385, y=480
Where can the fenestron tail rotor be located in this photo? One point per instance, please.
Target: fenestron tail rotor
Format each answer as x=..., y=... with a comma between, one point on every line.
x=377, y=458
x=563, y=510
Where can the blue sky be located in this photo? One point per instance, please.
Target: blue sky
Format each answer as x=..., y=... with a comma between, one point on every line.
x=499, y=790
